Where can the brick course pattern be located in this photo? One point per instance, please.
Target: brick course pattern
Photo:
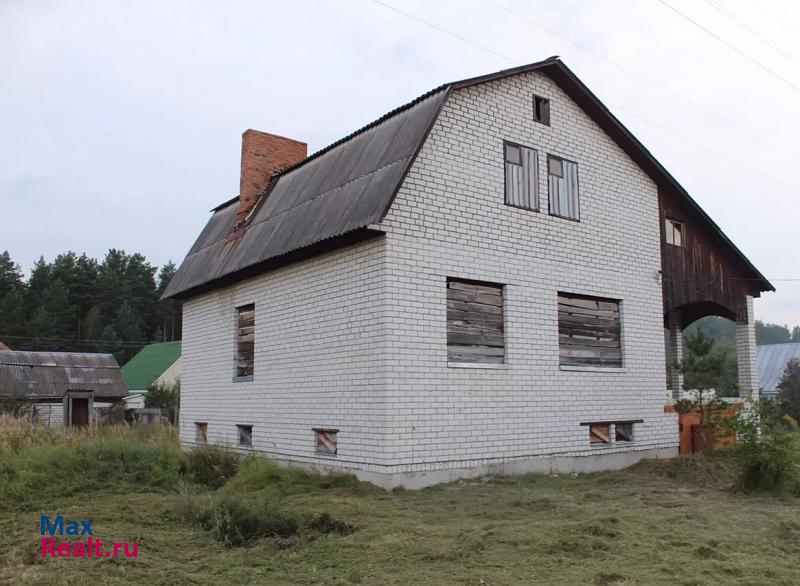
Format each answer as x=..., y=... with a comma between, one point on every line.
x=356, y=339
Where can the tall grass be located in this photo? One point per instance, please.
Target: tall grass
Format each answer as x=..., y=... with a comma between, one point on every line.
x=39, y=463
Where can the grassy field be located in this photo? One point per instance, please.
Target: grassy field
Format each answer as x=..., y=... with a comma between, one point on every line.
x=673, y=522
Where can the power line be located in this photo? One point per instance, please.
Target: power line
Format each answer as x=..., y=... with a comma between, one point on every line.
x=710, y=150
x=445, y=31
x=676, y=134
x=731, y=46
x=639, y=76
x=752, y=31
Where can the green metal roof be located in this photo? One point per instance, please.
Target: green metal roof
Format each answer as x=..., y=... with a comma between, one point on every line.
x=149, y=364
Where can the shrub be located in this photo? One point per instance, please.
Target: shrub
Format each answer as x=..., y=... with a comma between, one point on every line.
x=766, y=448
x=211, y=466
x=237, y=520
x=789, y=387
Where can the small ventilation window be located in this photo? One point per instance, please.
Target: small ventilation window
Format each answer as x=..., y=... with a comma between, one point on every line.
x=541, y=110
x=326, y=441
x=245, y=435
x=599, y=434
x=201, y=432
x=674, y=232
x=624, y=432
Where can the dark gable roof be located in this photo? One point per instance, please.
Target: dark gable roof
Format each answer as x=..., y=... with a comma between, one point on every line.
x=49, y=375
x=334, y=195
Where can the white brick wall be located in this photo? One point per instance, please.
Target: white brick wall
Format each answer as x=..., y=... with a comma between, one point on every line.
x=449, y=220
x=317, y=362
x=356, y=338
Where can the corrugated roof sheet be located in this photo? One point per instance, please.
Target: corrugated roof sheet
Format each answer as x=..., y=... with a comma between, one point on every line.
x=350, y=184
x=49, y=375
x=149, y=364
x=345, y=187
x=772, y=360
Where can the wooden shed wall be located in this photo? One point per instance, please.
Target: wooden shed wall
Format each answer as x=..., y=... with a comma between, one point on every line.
x=702, y=277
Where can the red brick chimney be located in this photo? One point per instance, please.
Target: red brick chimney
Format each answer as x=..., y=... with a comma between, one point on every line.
x=262, y=155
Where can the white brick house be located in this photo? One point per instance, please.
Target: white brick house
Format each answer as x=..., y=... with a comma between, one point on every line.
x=379, y=307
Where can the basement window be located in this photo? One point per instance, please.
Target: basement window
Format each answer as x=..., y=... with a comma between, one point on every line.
x=599, y=434
x=674, y=232
x=245, y=435
x=623, y=432
x=326, y=441
x=541, y=110
x=245, y=341
x=201, y=432
x=475, y=322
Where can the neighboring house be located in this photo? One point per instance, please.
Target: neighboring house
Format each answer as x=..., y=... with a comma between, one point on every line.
x=772, y=361
x=478, y=281
x=65, y=387
x=155, y=363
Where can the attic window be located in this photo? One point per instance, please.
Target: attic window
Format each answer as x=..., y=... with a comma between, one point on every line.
x=541, y=110
x=674, y=232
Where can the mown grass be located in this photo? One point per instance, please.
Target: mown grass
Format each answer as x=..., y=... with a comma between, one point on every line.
x=673, y=522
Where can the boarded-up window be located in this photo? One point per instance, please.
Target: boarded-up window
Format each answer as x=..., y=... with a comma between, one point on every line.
x=522, y=177
x=674, y=232
x=541, y=110
x=245, y=340
x=589, y=331
x=599, y=433
x=200, y=432
x=563, y=187
x=245, y=435
x=326, y=441
x=475, y=322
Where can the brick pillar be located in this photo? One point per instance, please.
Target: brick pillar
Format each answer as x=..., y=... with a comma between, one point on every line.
x=674, y=352
x=746, y=354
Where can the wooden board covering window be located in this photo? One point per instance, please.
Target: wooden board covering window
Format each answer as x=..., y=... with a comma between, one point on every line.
x=589, y=331
x=599, y=434
x=326, y=441
x=475, y=322
x=245, y=340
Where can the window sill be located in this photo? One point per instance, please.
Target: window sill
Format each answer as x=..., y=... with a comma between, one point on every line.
x=616, y=369
x=242, y=379
x=484, y=365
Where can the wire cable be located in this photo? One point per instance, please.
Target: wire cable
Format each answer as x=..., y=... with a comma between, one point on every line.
x=676, y=134
x=639, y=76
x=732, y=17
x=731, y=46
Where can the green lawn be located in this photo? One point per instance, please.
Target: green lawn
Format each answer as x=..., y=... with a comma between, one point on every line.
x=657, y=523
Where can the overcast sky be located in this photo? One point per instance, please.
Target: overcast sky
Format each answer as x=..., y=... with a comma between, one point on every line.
x=121, y=122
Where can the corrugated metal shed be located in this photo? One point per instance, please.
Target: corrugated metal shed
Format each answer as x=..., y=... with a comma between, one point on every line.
x=350, y=185
x=49, y=375
x=772, y=360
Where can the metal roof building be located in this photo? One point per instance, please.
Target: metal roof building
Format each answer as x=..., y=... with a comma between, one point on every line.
x=772, y=360
x=76, y=380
